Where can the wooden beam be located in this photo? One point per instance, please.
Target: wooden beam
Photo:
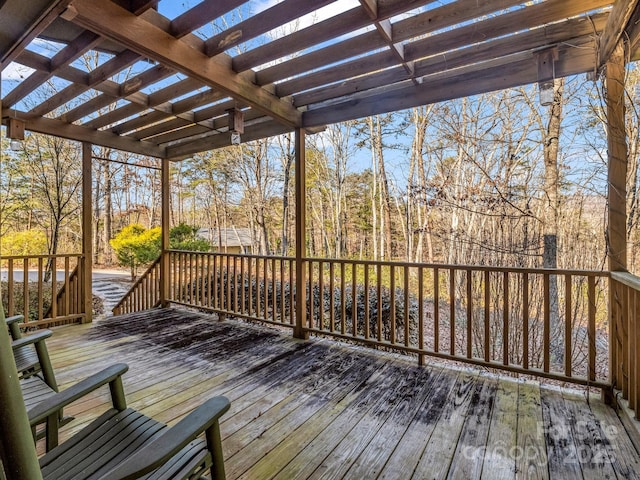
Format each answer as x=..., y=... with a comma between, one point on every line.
x=95, y=104
x=87, y=234
x=139, y=35
x=156, y=101
x=301, y=236
x=618, y=22
x=165, y=206
x=461, y=57
x=415, y=26
x=200, y=15
x=100, y=74
x=486, y=77
x=78, y=133
x=83, y=43
x=633, y=36
x=220, y=140
x=617, y=160
x=29, y=32
x=371, y=7
x=438, y=19
x=261, y=23
x=137, y=6
x=321, y=32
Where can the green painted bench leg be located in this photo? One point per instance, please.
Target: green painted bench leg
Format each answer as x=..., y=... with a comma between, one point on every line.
x=214, y=442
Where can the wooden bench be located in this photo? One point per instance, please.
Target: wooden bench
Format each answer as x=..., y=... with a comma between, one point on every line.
x=26, y=356
x=125, y=444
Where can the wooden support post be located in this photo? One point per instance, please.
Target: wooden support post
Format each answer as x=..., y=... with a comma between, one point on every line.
x=164, y=254
x=17, y=452
x=301, y=238
x=617, y=193
x=87, y=235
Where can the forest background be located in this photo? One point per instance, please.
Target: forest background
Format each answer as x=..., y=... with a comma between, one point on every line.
x=495, y=179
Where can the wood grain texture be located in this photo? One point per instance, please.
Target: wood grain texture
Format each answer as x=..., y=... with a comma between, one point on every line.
x=318, y=409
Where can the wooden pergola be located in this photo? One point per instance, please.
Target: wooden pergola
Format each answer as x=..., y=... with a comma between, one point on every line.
x=195, y=89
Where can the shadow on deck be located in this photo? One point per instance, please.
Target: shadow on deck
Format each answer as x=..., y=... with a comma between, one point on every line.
x=319, y=409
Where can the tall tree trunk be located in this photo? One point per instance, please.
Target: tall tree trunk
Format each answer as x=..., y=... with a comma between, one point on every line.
x=97, y=215
x=108, y=215
x=551, y=199
x=375, y=130
x=288, y=157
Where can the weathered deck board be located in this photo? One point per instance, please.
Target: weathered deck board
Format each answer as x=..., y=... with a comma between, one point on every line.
x=499, y=462
x=318, y=409
x=531, y=450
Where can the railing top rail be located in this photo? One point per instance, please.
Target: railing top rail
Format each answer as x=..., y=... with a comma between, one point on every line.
x=627, y=278
x=442, y=266
x=223, y=254
x=480, y=268
x=57, y=255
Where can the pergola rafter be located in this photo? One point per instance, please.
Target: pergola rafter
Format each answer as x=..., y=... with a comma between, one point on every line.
x=375, y=57
x=163, y=87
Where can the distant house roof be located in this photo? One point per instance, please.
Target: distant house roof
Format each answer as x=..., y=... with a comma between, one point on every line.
x=231, y=237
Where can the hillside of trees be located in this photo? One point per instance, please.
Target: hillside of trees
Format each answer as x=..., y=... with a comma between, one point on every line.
x=494, y=179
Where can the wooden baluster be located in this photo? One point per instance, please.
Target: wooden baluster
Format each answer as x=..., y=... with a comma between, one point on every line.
x=636, y=352
x=421, y=314
x=436, y=309
x=343, y=306
x=406, y=307
x=568, y=321
x=633, y=334
x=67, y=287
x=452, y=311
x=354, y=300
x=626, y=341
x=274, y=293
x=332, y=295
x=379, y=299
x=367, y=309
x=487, y=316
x=250, y=286
x=40, y=289
x=320, y=325
x=310, y=295
x=392, y=309
x=54, y=290
x=505, y=319
x=25, y=288
x=546, y=334
x=282, y=297
x=265, y=293
x=11, y=289
x=292, y=307
x=258, y=288
x=525, y=320
x=469, y=314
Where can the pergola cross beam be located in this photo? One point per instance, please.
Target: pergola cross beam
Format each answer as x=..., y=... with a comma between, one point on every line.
x=135, y=33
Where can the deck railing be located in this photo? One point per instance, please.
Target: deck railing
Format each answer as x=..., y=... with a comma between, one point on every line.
x=246, y=286
x=625, y=336
x=541, y=322
x=143, y=294
x=57, y=301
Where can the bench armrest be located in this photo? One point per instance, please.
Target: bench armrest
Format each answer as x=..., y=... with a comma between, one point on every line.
x=53, y=404
x=13, y=319
x=155, y=454
x=14, y=328
x=39, y=336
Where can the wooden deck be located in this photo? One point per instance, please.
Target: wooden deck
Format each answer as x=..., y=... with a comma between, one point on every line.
x=318, y=409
